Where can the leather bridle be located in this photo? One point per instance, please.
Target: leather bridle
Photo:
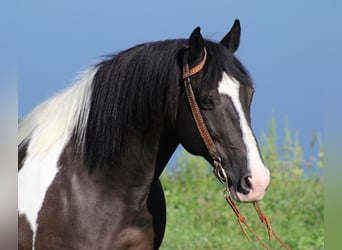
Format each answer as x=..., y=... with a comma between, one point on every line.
x=216, y=159
x=202, y=129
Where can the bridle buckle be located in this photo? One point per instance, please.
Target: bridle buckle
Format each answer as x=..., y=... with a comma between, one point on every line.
x=219, y=170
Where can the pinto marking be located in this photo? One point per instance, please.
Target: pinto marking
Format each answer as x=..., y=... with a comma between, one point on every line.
x=48, y=128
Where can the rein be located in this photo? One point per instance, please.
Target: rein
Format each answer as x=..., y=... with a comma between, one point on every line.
x=209, y=143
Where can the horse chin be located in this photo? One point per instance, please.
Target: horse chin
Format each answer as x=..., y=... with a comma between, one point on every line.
x=237, y=196
x=245, y=198
x=234, y=194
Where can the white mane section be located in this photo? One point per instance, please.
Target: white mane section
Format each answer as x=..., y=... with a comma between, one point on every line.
x=56, y=118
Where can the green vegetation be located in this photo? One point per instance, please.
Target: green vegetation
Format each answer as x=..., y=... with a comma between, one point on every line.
x=198, y=216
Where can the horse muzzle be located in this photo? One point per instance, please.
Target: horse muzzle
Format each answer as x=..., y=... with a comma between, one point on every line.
x=251, y=188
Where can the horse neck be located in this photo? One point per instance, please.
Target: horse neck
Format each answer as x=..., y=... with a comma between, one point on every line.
x=140, y=166
x=167, y=146
x=128, y=179
x=144, y=162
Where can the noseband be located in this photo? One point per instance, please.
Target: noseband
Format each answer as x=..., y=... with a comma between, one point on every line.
x=216, y=159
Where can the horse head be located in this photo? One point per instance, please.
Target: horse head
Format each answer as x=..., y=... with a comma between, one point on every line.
x=223, y=92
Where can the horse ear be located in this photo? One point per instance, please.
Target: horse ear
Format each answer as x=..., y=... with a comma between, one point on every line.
x=196, y=45
x=232, y=39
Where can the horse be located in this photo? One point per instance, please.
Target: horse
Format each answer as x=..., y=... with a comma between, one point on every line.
x=90, y=157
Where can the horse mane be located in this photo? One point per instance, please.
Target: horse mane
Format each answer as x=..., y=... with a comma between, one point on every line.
x=129, y=94
x=133, y=93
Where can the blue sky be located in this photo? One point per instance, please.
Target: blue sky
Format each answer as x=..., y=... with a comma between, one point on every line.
x=291, y=48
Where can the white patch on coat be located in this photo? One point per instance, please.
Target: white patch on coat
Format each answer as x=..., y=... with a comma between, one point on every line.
x=47, y=129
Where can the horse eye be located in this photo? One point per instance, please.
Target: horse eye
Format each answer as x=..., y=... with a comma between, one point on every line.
x=206, y=103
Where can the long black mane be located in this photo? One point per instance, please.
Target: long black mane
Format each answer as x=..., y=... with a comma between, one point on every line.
x=137, y=90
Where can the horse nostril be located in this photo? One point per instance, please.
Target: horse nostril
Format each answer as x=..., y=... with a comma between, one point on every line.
x=245, y=185
x=248, y=181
